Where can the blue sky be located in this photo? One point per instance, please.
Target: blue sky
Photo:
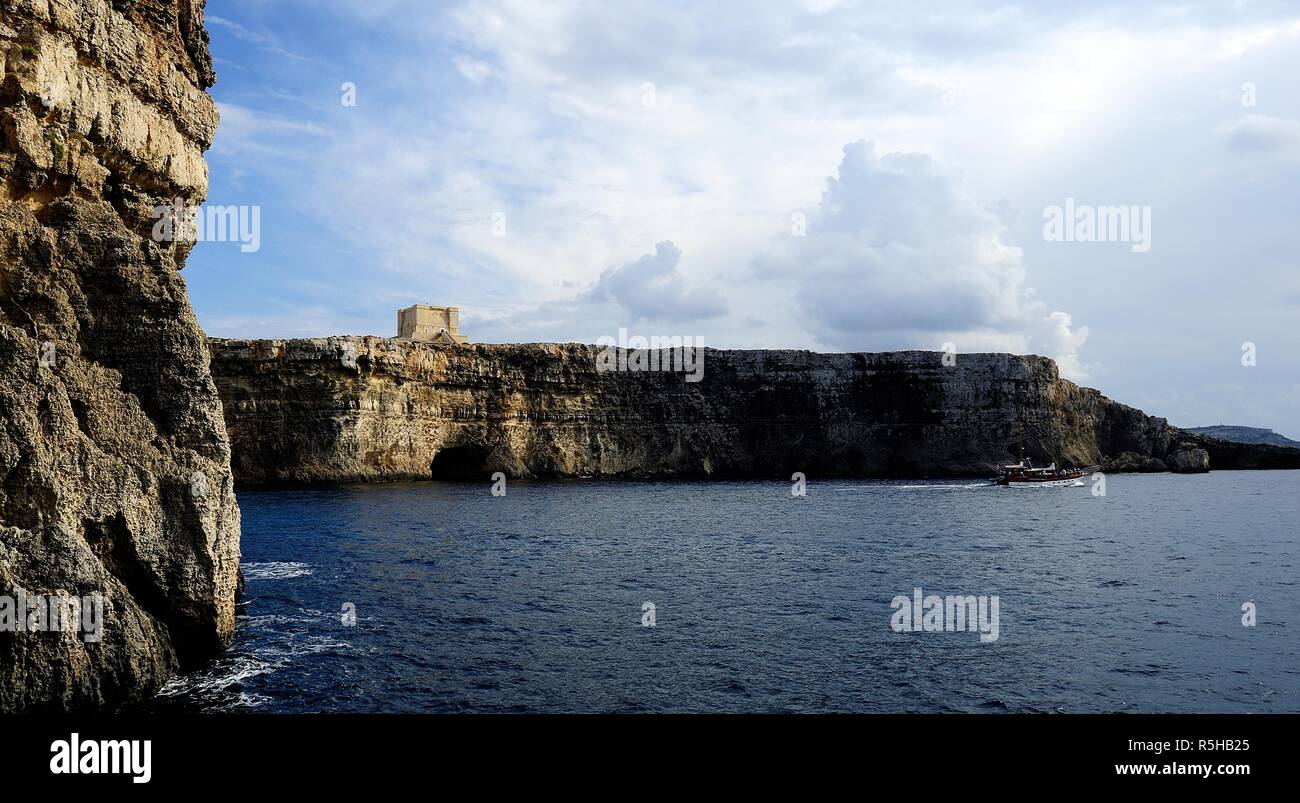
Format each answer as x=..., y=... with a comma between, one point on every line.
x=818, y=174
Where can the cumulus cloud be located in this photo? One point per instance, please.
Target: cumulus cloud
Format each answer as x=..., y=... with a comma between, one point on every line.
x=898, y=255
x=651, y=288
x=650, y=291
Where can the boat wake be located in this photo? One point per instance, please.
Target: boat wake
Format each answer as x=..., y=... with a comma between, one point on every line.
x=919, y=487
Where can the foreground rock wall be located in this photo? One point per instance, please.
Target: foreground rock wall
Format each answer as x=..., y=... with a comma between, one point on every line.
x=114, y=461
x=366, y=408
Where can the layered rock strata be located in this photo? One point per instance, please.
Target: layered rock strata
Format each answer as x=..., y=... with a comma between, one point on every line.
x=366, y=408
x=114, y=462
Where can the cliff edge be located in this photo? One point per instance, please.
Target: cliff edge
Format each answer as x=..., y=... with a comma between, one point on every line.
x=369, y=408
x=114, y=460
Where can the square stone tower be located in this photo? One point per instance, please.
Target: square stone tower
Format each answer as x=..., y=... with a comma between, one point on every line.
x=427, y=324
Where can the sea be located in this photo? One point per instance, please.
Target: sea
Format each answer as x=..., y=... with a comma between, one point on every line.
x=1128, y=593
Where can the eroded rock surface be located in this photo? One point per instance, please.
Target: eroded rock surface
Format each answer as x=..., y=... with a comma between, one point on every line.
x=367, y=408
x=1189, y=459
x=114, y=461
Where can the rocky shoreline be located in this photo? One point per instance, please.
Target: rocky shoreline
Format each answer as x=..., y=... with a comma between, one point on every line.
x=115, y=483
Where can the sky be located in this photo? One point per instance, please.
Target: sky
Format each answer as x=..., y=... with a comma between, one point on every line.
x=819, y=175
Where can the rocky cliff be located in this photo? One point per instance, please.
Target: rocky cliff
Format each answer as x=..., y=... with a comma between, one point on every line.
x=366, y=408
x=114, y=460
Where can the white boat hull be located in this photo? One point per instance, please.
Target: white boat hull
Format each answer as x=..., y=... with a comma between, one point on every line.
x=1061, y=483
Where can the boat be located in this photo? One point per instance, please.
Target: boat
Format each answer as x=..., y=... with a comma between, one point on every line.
x=1025, y=475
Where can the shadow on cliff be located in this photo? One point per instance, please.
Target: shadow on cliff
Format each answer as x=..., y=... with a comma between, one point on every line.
x=459, y=463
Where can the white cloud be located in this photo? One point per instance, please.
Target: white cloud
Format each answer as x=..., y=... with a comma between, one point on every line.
x=537, y=111
x=1237, y=42
x=651, y=288
x=649, y=292
x=899, y=255
x=258, y=38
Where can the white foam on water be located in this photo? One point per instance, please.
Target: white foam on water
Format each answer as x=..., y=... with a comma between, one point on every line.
x=220, y=676
x=272, y=619
x=275, y=570
x=284, y=649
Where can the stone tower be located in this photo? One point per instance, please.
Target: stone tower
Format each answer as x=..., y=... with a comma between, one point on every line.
x=428, y=324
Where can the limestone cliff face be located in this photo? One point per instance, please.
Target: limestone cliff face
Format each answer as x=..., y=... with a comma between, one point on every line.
x=114, y=460
x=366, y=408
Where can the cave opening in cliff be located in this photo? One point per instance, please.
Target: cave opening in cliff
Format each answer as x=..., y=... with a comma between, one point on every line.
x=459, y=463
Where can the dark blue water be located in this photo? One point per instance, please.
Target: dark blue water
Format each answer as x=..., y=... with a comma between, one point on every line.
x=532, y=602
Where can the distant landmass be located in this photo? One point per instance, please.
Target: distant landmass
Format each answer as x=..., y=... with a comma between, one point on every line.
x=1245, y=435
